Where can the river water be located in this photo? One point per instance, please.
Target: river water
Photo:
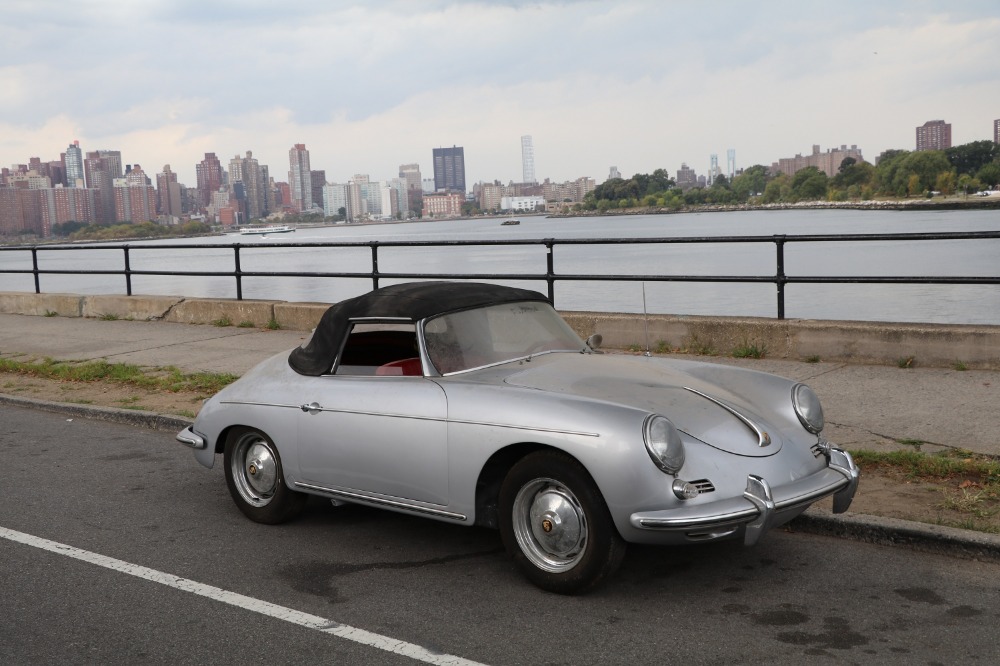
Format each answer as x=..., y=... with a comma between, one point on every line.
x=967, y=304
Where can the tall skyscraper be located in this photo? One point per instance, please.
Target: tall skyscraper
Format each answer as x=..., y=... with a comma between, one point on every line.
x=410, y=174
x=317, y=179
x=114, y=161
x=300, y=177
x=98, y=170
x=527, y=160
x=934, y=135
x=252, y=176
x=74, y=165
x=168, y=192
x=135, y=197
x=210, y=178
x=996, y=131
x=449, y=169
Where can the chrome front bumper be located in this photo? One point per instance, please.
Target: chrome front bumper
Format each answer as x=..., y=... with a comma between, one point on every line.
x=761, y=506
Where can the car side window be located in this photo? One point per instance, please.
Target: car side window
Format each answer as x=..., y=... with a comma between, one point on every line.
x=380, y=349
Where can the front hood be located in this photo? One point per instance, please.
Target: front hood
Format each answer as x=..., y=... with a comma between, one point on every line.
x=708, y=411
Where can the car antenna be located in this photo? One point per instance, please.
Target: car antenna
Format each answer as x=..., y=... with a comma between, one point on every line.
x=645, y=318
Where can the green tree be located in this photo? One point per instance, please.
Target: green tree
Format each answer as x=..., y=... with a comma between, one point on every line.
x=971, y=157
x=925, y=165
x=946, y=182
x=989, y=174
x=809, y=184
x=750, y=183
x=889, y=165
x=778, y=189
x=968, y=184
x=855, y=173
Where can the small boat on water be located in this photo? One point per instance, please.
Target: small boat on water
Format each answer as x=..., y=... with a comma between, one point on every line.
x=508, y=223
x=260, y=231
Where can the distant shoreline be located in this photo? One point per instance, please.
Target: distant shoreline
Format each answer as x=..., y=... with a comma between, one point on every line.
x=949, y=203
x=983, y=203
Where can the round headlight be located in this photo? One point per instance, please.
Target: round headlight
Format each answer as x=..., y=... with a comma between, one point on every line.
x=663, y=443
x=807, y=408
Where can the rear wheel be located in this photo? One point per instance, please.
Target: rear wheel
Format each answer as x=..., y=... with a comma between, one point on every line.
x=256, y=480
x=555, y=524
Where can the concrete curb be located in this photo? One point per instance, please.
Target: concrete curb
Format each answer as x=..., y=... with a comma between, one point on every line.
x=922, y=537
x=135, y=417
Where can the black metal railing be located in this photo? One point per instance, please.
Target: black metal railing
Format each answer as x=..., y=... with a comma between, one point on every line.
x=549, y=276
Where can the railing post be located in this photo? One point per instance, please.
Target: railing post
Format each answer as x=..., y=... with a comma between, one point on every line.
x=374, y=246
x=238, y=272
x=128, y=272
x=550, y=275
x=34, y=268
x=779, y=277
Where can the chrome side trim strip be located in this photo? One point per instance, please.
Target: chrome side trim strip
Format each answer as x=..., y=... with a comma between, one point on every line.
x=558, y=431
x=354, y=496
x=763, y=439
x=257, y=404
x=414, y=417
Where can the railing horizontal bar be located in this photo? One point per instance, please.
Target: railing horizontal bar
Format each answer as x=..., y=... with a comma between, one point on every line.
x=801, y=238
x=780, y=279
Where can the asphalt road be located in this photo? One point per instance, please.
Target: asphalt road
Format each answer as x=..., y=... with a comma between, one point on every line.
x=161, y=554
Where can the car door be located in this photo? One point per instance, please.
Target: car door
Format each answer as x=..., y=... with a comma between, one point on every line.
x=375, y=434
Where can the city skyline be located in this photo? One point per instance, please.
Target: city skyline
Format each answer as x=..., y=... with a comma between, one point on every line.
x=638, y=85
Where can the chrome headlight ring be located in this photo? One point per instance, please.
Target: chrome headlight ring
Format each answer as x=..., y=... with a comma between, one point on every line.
x=663, y=443
x=808, y=408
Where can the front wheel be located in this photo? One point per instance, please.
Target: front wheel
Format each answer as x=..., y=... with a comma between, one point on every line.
x=256, y=480
x=555, y=524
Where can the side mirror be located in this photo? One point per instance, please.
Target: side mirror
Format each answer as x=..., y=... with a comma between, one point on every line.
x=594, y=341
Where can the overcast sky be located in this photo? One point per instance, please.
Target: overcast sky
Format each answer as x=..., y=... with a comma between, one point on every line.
x=369, y=86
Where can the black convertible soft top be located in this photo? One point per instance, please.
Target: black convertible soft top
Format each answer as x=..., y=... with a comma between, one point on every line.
x=412, y=301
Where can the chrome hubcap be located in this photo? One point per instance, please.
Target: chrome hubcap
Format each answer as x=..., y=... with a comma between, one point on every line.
x=255, y=469
x=550, y=525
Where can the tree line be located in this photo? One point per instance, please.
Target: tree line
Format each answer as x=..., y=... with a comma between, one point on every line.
x=82, y=231
x=965, y=169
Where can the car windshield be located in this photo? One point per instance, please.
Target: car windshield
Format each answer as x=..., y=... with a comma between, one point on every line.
x=495, y=334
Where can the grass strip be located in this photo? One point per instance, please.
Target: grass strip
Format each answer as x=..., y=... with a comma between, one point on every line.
x=946, y=465
x=168, y=378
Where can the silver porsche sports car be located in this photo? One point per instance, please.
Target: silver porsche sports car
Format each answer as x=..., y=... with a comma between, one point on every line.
x=476, y=404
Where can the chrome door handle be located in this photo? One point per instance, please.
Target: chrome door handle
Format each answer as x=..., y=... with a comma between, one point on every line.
x=312, y=408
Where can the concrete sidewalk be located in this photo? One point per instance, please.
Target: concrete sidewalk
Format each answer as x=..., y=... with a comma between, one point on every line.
x=866, y=406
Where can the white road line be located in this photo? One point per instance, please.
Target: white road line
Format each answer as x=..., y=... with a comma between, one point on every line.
x=321, y=624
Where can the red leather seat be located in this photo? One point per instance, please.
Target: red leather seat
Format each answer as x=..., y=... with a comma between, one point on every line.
x=409, y=367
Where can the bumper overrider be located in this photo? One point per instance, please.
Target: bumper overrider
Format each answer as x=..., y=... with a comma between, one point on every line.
x=189, y=437
x=761, y=507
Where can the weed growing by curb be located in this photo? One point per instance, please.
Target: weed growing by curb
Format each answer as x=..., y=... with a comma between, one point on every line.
x=750, y=350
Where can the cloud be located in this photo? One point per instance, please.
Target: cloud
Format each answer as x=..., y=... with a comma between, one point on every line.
x=636, y=84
